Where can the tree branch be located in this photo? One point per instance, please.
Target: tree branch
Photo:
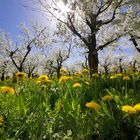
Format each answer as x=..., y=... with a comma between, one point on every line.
x=11, y=53
x=134, y=42
x=101, y=10
x=29, y=46
x=114, y=13
x=51, y=12
x=71, y=26
x=106, y=44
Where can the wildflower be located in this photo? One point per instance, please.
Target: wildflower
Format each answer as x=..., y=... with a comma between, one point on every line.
x=93, y=105
x=20, y=74
x=38, y=82
x=63, y=70
x=42, y=78
x=31, y=78
x=107, y=98
x=126, y=78
x=2, y=120
x=76, y=85
x=128, y=109
x=137, y=107
x=49, y=81
x=64, y=79
x=77, y=74
x=112, y=77
x=85, y=71
x=119, y=75
x=95, y=75
x=7, y=90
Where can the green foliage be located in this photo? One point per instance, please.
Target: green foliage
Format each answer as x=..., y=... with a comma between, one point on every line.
x=57, y=110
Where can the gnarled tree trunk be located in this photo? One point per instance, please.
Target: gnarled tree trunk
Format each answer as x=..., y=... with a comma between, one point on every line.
x=93, y=62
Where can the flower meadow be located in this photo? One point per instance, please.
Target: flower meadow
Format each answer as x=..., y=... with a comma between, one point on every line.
x=74, y=107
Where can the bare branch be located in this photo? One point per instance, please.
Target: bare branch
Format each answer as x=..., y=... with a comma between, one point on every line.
x=106, y=44
x=11, y=54
x=103, y=8
x=51, y=12
x=114, y=13
x=71, y=26
x=134, y=42
x=29, y=47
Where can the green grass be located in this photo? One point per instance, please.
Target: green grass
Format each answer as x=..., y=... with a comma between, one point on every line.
x=57, y=111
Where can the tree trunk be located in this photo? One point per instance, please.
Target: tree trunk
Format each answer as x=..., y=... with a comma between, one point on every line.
x=121, y=69
x=20, y=69
x=3, y=76
x=58, y=73
x=134, y=66
x=93, y=57
x=106, y=70
x=29, y=74
x=93, y=63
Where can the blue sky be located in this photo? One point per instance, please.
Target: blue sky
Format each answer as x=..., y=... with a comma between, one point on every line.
x=12, y=13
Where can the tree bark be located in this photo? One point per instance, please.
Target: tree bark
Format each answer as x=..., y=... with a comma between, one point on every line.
x=93, y=57
x=106, y=70
x=20, y=69
x=3, y=76
x=93, y=63
x=58, y=72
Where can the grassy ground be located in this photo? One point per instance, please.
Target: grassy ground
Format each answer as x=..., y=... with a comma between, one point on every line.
x=71, y=108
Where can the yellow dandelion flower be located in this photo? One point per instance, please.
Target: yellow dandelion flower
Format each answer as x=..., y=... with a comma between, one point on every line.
x=107, y=98
x=137, y=107
x=43, y=78
x=126, y=78
x=76, y=85
x=64, y=79
x=2, y=120
x=7, y=90
x=49, y=81
x=112, y=77
x=128, y=109
x=93, y=105
x=119, y=75
x=20, y=74
x=77, y=74
x=63, y=70
x=38, y=82
x=85, y=71
x=95, y=75
x=31, y=78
